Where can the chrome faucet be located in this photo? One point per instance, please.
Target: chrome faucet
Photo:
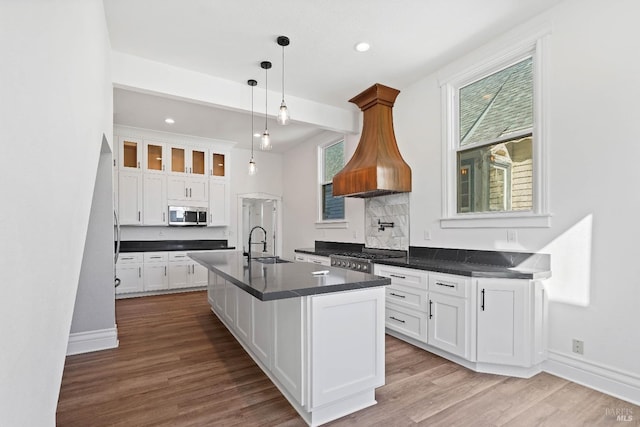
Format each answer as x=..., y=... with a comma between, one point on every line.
x=263, y=243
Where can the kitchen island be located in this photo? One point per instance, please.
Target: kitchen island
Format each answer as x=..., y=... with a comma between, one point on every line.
x=317, y=332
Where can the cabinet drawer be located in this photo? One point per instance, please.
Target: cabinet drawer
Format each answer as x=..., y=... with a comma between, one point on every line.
x=300, y=258
x=403, y=276
x=406, y=321
x=130, y=258
x=407, y=296
x=449, y=284
x=151, y=257
x=178, y=256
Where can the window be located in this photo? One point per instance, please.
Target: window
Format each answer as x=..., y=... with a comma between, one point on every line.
x=495, y=172
x=331, y=158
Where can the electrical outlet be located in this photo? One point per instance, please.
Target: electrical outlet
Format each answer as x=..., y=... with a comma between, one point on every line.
x=427, y=234
x=512, y=236
x=578, y=346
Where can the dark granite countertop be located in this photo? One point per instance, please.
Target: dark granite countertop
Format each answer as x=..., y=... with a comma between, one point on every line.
x=173, y=245
x=285, y=280
x=464, y=262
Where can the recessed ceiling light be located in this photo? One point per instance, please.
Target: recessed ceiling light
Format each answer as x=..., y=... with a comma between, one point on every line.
x=362, y=47
x=169, y=121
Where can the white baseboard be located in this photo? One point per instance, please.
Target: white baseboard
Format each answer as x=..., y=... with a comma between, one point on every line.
x=612, y=381
x=85, y=342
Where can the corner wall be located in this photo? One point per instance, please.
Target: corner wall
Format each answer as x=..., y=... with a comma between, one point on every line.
x=56, y=105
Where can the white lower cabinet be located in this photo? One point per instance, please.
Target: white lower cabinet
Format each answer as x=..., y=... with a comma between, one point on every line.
x=129, y=271
x=155, y=275
x=325, y=352
x=490, y=325
x=141, y=272
x=184, y=272
x=506, y=325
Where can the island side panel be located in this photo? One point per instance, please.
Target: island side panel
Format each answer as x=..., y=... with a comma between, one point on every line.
x=347, y=347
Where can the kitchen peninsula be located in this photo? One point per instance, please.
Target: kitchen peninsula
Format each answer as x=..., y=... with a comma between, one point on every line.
x=317, y=332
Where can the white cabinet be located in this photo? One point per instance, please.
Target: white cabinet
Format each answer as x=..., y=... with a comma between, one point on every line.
x=187, y=159
x=129, y=271
x=298, y=257
x=184, y=272
x=406, y=301
x=218, y=202
x=449, y=313
x=326, y=370
x=181, y=189
x=503, y=319
x=130, y=198
x=155, y=207
x=155, y=275
x=155, y=157
x=130, y=154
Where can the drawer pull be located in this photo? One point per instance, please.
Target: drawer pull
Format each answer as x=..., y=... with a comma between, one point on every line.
x=397, y=295
x=397, y=276
x=397, y=320
x=155, y=257
x=127, y=257
x=445, y=284
x=317, y=262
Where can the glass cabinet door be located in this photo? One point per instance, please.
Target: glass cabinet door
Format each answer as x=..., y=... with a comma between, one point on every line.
x=155, y=157
x=130, y=151
x=178, y=159
x=217, y=164
x=198, y=162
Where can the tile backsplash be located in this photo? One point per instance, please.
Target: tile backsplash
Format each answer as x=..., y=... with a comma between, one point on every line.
x=392, y=208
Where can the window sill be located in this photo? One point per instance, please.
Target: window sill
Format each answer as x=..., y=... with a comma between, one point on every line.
x=338, y=223
x=498, y=221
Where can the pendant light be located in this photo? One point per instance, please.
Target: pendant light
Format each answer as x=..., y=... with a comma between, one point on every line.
x=265, y=142
x=283, y=113
x=252, y=164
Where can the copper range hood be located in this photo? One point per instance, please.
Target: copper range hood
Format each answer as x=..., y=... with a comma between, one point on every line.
x=376, y=168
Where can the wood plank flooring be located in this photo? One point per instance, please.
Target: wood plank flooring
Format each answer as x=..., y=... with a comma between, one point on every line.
x=177, y=365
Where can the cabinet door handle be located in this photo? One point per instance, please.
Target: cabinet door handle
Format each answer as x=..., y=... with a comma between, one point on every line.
x=397, y=320
x=397, y=276
x=186, y=192
x=482, y=300
x=163, y=168
x=138, y=165
x=190, y=192
x=163, y=220
x=165, y=270
x=397, y=295
x=138, y=216
x=430, y=309
x=139, y=271
x=445, y=284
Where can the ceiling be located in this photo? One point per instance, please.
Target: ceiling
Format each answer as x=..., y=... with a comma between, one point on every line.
x=228, y=39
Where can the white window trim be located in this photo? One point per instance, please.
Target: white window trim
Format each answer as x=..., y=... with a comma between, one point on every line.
x=535, y=46
x=327, y=223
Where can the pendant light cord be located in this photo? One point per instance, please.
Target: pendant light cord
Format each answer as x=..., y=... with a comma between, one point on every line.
x=252, y=122
x=266, y=93
x=282, y=73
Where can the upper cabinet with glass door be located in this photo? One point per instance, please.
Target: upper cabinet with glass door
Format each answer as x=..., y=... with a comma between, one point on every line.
x=130, y=157
x=218, y=164
x=155, y=157
x=188, y=160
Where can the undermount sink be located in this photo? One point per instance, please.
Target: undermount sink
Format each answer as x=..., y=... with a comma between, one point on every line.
x=271, y=260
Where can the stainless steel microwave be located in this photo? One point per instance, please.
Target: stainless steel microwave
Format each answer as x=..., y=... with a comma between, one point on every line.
x=181, y=215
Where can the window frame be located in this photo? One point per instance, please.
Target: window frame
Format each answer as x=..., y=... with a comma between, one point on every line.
x=536, y=48
x=328, y=223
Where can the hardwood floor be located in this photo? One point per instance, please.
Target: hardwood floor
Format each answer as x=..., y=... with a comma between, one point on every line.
x=177, y=365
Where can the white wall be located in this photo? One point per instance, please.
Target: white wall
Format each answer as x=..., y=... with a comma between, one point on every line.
x=594, y=110
x=56, y=104
x=94, y=308
x=300, y=200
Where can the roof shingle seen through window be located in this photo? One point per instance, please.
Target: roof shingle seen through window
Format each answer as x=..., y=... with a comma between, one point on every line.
x=498, y=104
